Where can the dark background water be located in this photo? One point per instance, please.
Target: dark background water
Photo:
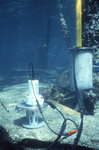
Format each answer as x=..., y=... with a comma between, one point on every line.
x=30, y=31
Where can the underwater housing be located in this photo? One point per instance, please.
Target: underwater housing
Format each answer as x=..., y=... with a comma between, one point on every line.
x=81, y=65
x=30, y=105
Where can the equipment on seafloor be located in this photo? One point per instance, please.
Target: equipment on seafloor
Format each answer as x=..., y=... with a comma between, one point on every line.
x=30, y=105
x=81, y=57
x=80, y=68
x=81, y=63
x=81, y=78
x=34, y=103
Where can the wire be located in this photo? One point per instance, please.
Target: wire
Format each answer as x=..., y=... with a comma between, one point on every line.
x=63, y=127
x=80, y=102
x=11, y=143
x=31, y=71
x=4, y=106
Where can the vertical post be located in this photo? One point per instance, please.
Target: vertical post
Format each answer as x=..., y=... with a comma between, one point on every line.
x=78, y=23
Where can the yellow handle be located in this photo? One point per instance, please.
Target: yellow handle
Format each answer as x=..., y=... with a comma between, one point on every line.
x=78, y=24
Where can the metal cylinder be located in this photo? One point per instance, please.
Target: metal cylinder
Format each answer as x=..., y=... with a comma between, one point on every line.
x=82, y=66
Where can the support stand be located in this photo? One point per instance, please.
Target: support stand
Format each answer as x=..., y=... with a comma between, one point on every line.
x=32, y=119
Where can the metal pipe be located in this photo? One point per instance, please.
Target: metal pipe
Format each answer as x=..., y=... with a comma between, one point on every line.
x=78, y=23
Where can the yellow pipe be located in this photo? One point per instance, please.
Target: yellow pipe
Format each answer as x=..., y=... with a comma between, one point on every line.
x=78, y=24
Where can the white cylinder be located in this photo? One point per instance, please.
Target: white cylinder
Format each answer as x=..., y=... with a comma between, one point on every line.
x=33, y=91
x=33, y=86
x=82, y=65
x=83, y=69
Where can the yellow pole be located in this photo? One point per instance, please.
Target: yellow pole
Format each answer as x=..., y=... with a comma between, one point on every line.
x=78, y=24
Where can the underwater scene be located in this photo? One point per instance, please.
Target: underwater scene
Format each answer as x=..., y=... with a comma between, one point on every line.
x=49, y=75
